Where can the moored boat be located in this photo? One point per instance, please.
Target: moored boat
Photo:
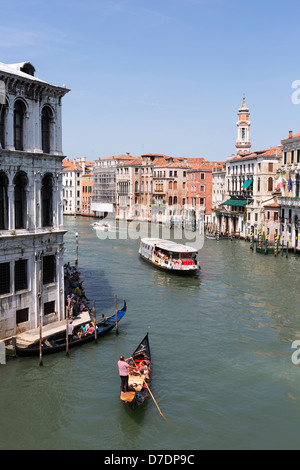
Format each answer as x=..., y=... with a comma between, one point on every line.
x=138, y=379
x=169, y=256
x=57, y=342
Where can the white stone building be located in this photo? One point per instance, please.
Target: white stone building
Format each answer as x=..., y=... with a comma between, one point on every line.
x=250, y=184
x=31, y=217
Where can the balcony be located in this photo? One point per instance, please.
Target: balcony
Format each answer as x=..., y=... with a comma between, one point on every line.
x=289, y=201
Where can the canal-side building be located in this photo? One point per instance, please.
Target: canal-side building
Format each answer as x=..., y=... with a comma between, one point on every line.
x=73, y=171
x=289, y=195
x=169, y=190
x=86, y=194
x=104, y=184
x=218, y=192
x=31, y=212
x=250, y=185
x=199, y=193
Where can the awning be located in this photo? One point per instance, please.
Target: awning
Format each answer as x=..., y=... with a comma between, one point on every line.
x=102, y=207
x=247, y=184
x=235, y=202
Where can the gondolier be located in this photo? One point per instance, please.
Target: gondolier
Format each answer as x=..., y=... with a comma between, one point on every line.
x=123, y=372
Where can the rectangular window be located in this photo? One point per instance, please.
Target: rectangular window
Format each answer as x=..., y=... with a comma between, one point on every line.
x=298, y=156
x=22, y=315
x=4, y=278
x=49, y=307
x=21, y=275
x=284, y=158
x=275, y=216
x=292, y=156
x=48, y=269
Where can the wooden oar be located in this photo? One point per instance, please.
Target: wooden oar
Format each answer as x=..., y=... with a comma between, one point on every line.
x=150, y=393
x=154, y=400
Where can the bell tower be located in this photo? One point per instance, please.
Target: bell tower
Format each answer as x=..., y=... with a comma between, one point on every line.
x=243, y=143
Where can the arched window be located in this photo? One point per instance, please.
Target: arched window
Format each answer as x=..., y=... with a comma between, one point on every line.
x=2, y=124
x=19, y=113
x=46, y=120
x=175, y=200
x=258, y=185
x=170, y=201
x=136, y=187
x=20, y=182
x=170, y=185
x=270, y=184
x=3, y=201
x=47, y=201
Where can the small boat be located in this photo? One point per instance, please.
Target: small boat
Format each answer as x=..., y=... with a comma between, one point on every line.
x=210, y=237
x=101, y=226
x=265, y=250
x=169, y=256
x=137, y=387
x=57, y=342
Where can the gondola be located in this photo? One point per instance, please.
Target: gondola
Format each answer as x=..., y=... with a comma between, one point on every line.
x=56, y=343
x=137, y=385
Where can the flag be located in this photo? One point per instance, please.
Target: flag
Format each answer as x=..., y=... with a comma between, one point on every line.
x=280, y=182
x=290, y=183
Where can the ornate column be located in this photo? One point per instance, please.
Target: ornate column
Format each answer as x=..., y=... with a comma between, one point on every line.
x=11, y=206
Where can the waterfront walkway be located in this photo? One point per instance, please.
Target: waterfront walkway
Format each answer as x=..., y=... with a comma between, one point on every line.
x=32, y=336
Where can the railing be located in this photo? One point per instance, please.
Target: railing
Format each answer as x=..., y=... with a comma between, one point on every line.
x=289, y=201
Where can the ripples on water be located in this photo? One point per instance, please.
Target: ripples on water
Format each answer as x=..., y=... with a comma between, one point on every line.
x=221, y=348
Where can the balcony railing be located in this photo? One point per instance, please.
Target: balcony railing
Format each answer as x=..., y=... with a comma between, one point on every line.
x=289, y=201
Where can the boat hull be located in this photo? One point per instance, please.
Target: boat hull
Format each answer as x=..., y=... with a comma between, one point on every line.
x=179, y=272
x=58, y=343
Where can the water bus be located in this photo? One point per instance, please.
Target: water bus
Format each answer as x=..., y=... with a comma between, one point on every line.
x=169, y=256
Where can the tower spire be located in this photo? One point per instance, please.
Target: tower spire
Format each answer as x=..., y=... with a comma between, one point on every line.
x=243, y=143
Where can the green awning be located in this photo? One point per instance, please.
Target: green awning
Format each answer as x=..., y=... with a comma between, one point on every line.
x=235, y=202
x=247, y=184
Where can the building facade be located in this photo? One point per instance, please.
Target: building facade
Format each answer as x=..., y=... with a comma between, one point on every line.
x=73, y=173
x=289, y=195
x=104, y=192
x=31, y=213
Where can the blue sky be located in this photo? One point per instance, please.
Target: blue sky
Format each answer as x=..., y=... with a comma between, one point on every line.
x=161, y=76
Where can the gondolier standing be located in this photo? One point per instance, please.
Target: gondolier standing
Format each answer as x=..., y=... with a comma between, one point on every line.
x=123, y=372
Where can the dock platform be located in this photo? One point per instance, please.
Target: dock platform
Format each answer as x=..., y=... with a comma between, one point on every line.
x=32, y=336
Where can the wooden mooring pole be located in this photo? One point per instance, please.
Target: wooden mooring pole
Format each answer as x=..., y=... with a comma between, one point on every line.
x=116, y=313
x=95, y=326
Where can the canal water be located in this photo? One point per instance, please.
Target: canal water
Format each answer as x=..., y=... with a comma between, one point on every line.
x=221, y=344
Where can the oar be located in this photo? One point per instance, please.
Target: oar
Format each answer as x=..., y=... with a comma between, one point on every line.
x=151, y=394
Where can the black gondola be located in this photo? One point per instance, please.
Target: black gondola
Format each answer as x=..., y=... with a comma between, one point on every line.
x=57, y=342
x=137, y=382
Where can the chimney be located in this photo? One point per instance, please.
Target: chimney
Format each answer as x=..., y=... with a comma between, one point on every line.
x=290, y=134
